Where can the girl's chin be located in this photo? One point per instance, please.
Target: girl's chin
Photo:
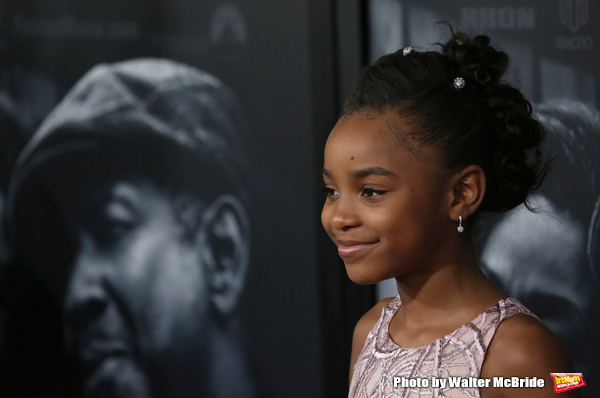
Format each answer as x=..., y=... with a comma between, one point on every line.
x=361, y=278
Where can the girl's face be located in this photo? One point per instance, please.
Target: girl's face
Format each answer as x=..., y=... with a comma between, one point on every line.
x=386, y=210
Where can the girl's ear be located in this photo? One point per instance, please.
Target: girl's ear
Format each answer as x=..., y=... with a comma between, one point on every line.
x=225, y=246
x=468, y=192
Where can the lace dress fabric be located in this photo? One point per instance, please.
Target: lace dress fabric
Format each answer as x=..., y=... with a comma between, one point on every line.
x=461, y=353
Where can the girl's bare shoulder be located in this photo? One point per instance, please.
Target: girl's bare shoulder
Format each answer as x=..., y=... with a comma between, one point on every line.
x=524, y=347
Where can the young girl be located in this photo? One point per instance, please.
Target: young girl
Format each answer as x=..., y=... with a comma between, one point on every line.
x=426, y=142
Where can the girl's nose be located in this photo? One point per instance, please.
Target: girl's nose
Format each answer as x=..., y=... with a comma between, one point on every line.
x=344, y=216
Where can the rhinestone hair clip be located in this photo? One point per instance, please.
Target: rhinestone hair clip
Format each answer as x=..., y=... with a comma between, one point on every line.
x=459, y=83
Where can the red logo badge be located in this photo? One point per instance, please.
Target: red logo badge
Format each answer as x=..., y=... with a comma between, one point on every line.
x=567, y=381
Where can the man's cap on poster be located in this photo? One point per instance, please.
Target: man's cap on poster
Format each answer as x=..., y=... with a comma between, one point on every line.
x=166, y=114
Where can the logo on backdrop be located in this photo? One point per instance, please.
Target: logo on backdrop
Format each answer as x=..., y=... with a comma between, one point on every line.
x=574, y=14
x=497, y=18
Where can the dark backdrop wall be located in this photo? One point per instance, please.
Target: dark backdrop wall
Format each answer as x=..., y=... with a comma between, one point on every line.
x=547, y=260
x=260, y=49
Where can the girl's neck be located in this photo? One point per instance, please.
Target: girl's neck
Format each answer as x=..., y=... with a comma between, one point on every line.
x=458, y=283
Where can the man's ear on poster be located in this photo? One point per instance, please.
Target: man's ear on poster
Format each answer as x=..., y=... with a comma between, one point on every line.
x=225, y=246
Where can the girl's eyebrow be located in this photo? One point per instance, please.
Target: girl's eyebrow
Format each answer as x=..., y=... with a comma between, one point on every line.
x=369, y=171
x=374, y=171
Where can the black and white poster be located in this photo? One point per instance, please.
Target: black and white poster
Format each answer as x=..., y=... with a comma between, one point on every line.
x=159, y=205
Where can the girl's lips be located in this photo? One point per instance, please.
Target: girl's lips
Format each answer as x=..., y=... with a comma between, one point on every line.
x=351, y=249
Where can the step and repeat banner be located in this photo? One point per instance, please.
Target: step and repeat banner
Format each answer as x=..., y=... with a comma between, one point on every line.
x=550, y=260
x=158, y=200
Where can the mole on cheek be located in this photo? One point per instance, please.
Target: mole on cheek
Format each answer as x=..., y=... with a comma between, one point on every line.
x=351, y=157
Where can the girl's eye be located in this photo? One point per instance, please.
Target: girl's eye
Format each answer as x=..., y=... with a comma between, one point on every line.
x=330, y=191
x=369, y=192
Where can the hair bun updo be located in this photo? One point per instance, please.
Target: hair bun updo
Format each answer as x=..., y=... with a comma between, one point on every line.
x=479, y=62
x=486, y=122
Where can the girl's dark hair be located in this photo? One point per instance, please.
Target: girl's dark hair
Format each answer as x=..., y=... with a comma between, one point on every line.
x=487, y=122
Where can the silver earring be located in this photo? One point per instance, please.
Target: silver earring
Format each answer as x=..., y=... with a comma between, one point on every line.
x=460, y=226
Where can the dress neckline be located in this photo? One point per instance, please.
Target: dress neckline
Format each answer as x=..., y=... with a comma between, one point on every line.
x=393, y=306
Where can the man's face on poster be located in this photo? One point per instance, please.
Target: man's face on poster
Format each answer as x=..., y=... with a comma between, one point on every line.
x=136, y=307
x=147, y=277
x=152, y=278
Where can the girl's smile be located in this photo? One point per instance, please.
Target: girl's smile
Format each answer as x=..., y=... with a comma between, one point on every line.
x=349, y=249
